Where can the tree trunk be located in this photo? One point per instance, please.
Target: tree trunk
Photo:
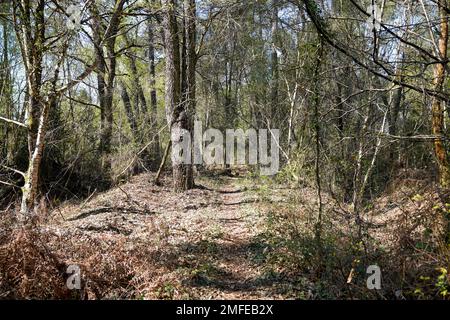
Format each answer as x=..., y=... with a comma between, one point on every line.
x=105, y=42
x=274, y=81
x=30, y=22
x=176, y=114
x=437, y=104
x=129, y=111
x=35, y=76
x=37, y=109
x=141, y=103
x=30, y=187
x=155, y=147
x=191, y=62
x=101, y=83
x=6, y=95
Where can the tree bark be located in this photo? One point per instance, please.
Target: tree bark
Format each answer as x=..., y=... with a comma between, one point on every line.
x=437, y=105
x=155, y=147
x=129, y=110
x=6, y=95
x=37, y=110
x=141, y=103
x=191, y=62
x=274, y=81
x=177, y=115
x=30, y=187
x=105, y=41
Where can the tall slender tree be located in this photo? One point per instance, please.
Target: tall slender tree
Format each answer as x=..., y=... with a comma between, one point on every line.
x=179, y=91
x=441, y=150
x=105, y=37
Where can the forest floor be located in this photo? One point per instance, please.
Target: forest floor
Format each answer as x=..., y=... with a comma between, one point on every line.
x=206, y=242
x=232, y=237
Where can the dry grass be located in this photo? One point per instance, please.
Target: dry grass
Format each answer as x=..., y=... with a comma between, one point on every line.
x=233, y=238
x=403, y=233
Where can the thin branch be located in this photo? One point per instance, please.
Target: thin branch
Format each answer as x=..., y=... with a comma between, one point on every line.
x=416, y=137
x=14, y=170
x=18, y=123
x=9, y=184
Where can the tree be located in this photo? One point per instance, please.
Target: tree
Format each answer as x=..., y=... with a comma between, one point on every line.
x=180, y=88
x=6, y=99
x=43, y=95
x=441, y=150
x=155, y=149
x=274, y=69
x=385, y=71
x=105, y=43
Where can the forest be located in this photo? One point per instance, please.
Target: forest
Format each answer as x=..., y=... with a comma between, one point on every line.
x=224, y=149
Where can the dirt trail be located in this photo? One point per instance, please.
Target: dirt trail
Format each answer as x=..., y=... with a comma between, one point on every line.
x=206, y=241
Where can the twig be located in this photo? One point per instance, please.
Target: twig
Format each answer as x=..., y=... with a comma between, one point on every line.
x=130, y=199
x=87, y=200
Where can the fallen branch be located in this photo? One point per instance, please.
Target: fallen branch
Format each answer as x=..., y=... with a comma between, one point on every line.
x=163, y=162
x=101, y=210
x=108, y=228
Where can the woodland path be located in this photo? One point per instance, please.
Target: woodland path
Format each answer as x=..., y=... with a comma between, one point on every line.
x=207, y=243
